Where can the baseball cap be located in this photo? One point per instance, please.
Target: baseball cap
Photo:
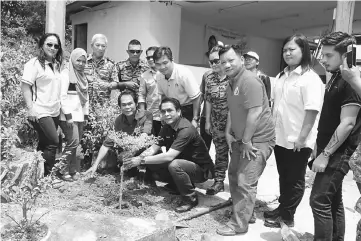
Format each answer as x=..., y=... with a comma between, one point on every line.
x=252, y=54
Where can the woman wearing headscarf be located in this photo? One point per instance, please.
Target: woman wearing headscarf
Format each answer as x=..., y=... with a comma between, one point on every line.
x=40, y=85
x=74, y=110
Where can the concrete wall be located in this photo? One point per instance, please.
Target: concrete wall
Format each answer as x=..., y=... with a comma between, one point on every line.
x=150, y=23
x=269, y=51
x=192, y=46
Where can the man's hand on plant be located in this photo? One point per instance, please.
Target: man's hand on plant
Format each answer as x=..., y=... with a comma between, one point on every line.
x=230, y=139
x=131, y=162
x=32, y=115
x=91, y=171
x=248, y=150
x=351, y=75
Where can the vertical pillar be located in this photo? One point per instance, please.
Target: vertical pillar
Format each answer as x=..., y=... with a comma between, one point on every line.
x=344, y=15
x=55, y=18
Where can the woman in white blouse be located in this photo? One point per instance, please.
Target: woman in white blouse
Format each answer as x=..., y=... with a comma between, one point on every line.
x=40, y=85
x=298, y=97
x=74, y=110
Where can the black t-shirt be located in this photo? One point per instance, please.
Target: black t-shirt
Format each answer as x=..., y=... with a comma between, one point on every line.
x=338, y=93
x=186, y=139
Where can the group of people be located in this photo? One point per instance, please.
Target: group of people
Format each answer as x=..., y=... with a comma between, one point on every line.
x=297, y=117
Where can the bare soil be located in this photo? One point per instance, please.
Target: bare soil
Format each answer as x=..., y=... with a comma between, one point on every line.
x=101, y=195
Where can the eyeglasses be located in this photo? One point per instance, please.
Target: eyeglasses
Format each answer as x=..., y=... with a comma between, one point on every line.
x=214, y=61
x=135, y=51
x=56, y=46
x=149, y=57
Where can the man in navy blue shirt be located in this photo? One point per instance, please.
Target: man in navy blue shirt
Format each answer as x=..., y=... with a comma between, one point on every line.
x=338, y=136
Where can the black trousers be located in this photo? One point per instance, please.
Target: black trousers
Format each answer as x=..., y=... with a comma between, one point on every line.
x=46, y=128
x=291, y=166
x=326, y=199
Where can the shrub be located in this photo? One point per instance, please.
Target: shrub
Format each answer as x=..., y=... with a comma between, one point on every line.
x=101, y=120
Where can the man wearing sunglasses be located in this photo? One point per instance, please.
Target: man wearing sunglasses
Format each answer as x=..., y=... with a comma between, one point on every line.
x=178, y=82
x=149, y=97
x=129, y=70
x=100, y=71
x=251, y=62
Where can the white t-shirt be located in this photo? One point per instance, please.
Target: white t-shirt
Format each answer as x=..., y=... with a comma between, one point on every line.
x=45, y=85
x=293, y=94
x=70, y=101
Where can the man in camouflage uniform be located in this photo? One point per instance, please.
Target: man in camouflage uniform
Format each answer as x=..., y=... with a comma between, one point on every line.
x=216, y=98
x=100, y=71
x=129, y=70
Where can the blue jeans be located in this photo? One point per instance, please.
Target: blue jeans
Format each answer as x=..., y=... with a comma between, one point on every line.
x=326, y=200
x=180, y=172
x=73, y=136
x=243, y=179
x=46, y=128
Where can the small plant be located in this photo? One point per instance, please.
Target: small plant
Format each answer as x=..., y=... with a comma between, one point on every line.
x=127, y=146
x=25, y=194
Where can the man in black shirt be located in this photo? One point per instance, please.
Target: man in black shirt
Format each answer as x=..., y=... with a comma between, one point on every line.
x=338, y=134
x=186, y=161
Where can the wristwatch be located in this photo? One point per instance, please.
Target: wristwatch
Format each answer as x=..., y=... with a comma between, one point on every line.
x=142, y=162
x=326, y=153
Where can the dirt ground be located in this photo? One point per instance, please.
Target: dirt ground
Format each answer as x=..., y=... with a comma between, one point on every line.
x=101, y=195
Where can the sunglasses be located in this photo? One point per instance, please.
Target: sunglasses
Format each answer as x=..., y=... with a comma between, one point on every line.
x=214, y=61
x=135, y=51
x=56, y=46
x=149, y=57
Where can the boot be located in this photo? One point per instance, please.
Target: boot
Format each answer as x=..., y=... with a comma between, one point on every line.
x=217, y=187
x=187, y=203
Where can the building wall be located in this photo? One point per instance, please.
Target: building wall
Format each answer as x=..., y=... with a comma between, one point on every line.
x=192, y=46
x=151, y=23
x=269, y=51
